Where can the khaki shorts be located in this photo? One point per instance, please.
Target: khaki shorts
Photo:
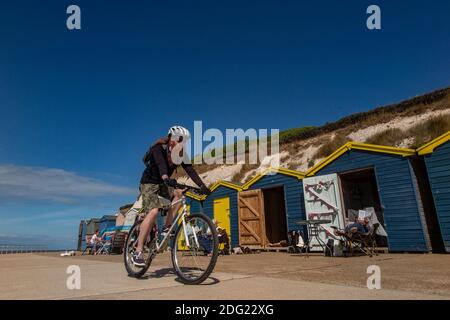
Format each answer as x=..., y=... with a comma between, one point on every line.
x=155, y=196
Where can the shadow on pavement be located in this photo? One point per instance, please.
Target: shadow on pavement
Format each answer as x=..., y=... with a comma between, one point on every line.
x=164, y=272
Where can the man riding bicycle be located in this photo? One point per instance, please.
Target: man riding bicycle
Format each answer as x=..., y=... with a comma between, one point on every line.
x=155, y=180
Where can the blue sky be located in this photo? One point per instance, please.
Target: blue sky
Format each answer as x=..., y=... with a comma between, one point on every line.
x=79, y=108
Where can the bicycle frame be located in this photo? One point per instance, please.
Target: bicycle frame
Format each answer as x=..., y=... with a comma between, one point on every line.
x=180, y=215
x=194, y=244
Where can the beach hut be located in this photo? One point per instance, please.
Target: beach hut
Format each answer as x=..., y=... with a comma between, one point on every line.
x=379, y=177
x=131, y=214
x=92, y=225
x=221, y=205
x=81, y=234
x=122, y=216
x=120, y=220
x=437, y=160
x=259, y=213
x=107, y=224
x=269, y=206
x=89, y=230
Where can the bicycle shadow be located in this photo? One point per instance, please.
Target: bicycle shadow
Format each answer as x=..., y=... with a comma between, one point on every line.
x=167, y=272
x=208, y=282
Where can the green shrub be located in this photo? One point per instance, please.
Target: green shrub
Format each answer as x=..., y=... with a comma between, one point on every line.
x=331, y=146
x=421, y=133
x=238, y=176
x=389, y=137
x=429, y=130
x=293, y=134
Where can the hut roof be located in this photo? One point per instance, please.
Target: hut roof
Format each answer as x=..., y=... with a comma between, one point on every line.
x=108, y=217
x=300, y=175
x=359, y=146
x=433, y=144
x=270, y=170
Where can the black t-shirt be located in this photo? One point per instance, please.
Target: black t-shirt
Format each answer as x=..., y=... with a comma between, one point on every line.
x=157, y=162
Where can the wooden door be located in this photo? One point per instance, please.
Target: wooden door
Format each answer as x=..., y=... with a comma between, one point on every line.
x=252, y=229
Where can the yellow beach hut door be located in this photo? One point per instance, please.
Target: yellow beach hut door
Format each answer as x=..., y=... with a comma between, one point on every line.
x=222, y=213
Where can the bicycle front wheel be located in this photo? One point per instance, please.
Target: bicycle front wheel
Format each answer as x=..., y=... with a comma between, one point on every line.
x=195, y=249
x=130, y=247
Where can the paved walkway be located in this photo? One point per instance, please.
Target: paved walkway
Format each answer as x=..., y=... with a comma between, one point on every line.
x=31, y=276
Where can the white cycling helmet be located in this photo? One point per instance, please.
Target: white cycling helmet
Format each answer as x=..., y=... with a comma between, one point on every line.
x=179, y=133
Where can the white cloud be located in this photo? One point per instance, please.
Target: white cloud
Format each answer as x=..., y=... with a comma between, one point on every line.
x=37, y=183
x=12, y=219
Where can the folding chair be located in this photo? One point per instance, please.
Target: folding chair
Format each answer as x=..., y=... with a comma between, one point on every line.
x=366, y=242
x=104, y=247
x=363, y=242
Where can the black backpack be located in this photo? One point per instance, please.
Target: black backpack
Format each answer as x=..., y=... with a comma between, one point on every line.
x=148, y=155
x=147, y=158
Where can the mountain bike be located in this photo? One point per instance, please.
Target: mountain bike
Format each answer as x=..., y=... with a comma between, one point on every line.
x=192, y=240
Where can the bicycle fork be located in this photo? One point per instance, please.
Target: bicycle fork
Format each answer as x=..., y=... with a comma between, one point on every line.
x=189, y=242
x=186, y=236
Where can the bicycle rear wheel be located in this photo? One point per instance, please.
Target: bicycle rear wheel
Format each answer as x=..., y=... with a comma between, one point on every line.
x=194, y=263
x=130, y=246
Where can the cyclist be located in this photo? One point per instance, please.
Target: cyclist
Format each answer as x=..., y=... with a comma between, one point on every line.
x=155, y=180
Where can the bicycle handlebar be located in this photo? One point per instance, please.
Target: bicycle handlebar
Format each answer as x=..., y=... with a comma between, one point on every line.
x=187, y=188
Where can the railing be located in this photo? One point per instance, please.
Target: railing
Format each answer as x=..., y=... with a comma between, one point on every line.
x=22, y=248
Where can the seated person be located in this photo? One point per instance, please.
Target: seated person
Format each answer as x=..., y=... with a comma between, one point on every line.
x=95, y=241
x=204, y=240
x=218, y=228
x=206, y=243
x=360, y=226
x=223, y=238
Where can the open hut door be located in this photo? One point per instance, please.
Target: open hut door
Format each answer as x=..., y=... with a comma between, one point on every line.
x=323, y=201
x=80, y=235
x=252, y=229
